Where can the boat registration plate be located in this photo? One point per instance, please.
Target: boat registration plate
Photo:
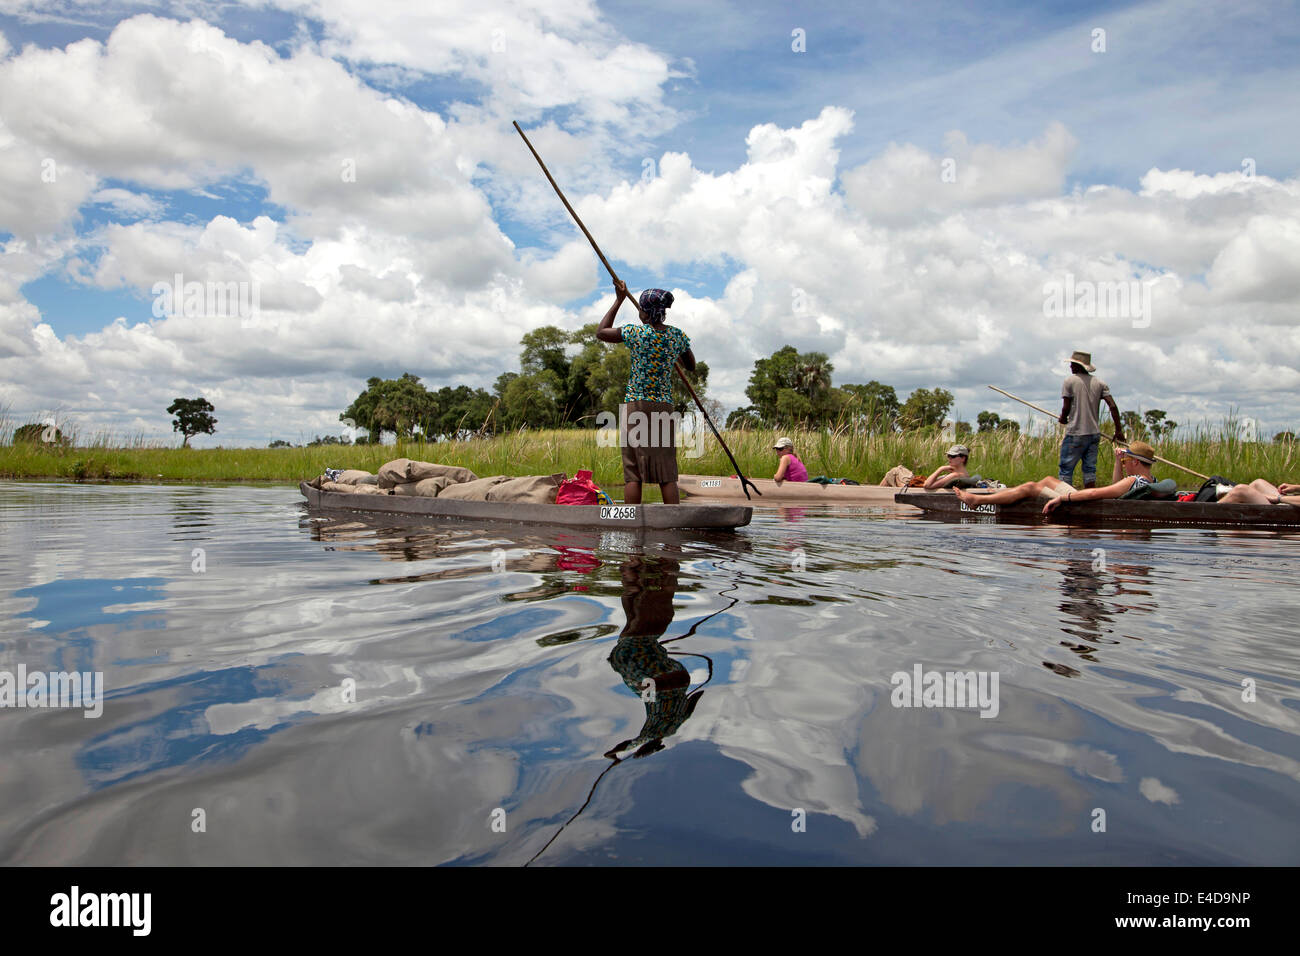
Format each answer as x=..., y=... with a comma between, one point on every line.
x=711, y=483
x=980, y=509
x=618, y=513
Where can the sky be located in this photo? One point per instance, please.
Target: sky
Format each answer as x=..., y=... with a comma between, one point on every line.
x=933, y=197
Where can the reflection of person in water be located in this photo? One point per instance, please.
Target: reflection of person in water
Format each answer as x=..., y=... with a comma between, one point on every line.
x=1093, y=593
x=643, y=662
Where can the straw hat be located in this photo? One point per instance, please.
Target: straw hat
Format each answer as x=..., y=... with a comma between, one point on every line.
x=1142, y=452
x=1084, y=359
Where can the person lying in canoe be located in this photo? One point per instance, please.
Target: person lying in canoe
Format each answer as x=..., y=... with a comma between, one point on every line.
x=953, y=474
x=1131, y=478
x=790, y=468
x=1261, y=492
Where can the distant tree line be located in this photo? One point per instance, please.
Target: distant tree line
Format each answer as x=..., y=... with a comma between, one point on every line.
x=792, y=388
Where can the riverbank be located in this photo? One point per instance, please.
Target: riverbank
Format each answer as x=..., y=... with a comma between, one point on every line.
x=1007, y=457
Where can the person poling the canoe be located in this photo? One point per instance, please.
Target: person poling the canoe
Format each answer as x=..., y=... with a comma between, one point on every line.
x=1130, y=479
x=790, y=468
x=745, y=483
x=1081, y=398
x=647, y=424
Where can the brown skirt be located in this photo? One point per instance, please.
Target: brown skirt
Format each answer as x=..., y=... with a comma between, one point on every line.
x=648, y=433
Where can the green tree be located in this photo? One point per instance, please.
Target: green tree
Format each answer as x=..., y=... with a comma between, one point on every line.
x=873, y=406
x=1284, y=437
x=925, y=407
x=1009, y=425
x=806, y=374
x=988, y=421
x=792, y=408
x=395, y=405
x=193, y=417
x=532, y=401
x=461, y=409
x=329, y=440
x=746, y=417
x=1158, y=423
x=963, y=429
x=1134, y=428
x=43, y=434
x=279, y=443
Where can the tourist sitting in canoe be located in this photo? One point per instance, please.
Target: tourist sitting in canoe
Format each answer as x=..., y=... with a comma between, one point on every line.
x=1130, y=479
x=953, y=474
x=647, y=423
x=790, y=468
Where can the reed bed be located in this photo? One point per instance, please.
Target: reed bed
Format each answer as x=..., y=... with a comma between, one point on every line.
x=1007, y=456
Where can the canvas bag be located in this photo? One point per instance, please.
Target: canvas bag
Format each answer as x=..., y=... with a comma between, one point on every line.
x=530, y=489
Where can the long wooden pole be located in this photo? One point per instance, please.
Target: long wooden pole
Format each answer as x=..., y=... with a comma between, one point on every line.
x=1164, y=461
x=610, y=269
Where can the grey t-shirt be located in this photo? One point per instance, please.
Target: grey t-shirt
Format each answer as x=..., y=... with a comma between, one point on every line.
x=1087, y=393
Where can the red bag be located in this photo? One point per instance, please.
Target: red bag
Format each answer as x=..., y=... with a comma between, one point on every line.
x=578, y=490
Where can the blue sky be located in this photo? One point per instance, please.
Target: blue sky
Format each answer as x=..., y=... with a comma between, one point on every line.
x=1182, y=87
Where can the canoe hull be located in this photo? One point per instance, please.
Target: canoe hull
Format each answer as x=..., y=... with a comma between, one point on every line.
x=1111, y=511
x=619, y=517
x=717, y=488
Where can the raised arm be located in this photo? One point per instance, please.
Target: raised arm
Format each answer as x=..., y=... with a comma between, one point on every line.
x=937, y=477
x=606, y=332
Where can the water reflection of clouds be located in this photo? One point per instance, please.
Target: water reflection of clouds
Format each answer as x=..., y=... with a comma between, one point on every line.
x=478, y=689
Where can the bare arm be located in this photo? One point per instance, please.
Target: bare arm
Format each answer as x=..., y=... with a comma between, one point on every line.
x=1114, y=414
x=688, y=360
x=936, y=477
x=1065, y=410
x=782, y=468
x=606, y=332
x=1092, y=494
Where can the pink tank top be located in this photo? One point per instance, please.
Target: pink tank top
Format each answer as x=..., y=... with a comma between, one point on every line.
x=795, y=471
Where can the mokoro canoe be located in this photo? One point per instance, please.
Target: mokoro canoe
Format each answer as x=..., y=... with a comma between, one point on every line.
x=1111, y=511
x=615, y=517
x=716, y=488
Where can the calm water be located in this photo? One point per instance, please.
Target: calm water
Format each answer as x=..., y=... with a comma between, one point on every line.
x=497, y=677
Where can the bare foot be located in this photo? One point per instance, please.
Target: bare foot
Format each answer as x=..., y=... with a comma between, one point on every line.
x=966, y=496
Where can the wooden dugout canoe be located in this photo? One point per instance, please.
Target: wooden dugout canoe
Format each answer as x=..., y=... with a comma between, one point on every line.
x=612, y=517
x=716, y=488
x=1111, y=511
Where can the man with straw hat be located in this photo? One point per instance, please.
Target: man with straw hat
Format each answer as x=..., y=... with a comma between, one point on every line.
x=1131, y=478
x=1081, y=398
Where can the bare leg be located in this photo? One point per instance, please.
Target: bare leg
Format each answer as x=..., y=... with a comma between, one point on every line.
x=1258, y=492
x=1030, y=489
x=632, y=493
x=669, y=490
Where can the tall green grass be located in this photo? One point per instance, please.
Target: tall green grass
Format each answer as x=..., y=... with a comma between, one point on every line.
x=1008, y=457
